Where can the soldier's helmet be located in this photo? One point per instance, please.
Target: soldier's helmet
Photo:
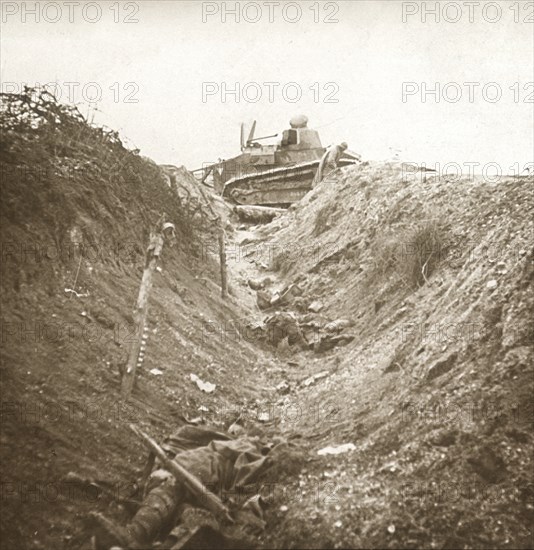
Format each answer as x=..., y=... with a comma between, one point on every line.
x=343, y=145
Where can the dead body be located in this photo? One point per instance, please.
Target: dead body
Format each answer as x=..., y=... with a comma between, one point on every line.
x=226, y=466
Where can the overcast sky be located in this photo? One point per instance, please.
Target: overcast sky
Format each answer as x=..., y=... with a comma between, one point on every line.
x=362, y=62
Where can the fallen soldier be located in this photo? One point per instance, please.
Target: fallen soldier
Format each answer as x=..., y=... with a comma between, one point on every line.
x=186, y=474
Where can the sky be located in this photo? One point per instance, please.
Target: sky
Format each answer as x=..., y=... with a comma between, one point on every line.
x=162, y=73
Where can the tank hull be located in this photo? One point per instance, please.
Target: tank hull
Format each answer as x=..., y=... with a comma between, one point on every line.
x=275, y=186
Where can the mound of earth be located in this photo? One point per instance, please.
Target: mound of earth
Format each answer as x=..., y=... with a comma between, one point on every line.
x=433, y=279
x=77, y=212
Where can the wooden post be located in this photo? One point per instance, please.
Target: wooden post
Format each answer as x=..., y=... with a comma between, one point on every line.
x=222, y=259
x=136, y=354
x=222, y=245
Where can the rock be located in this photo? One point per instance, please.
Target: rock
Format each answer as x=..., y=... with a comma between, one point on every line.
x=286, y=295
x=258, y=284
x=315, y=306
x=444, y=438
x=308, y=317
x=236, y=430
x=441, y=367
x=206, y=387
x=337, y=450
x=263, y=299
x=327, y=342
x=393, y=366
x=378, y=305
x=257, y=214
x=338, y=325
x=492, y=285
x=488, y=465
x=299, y=303
x=315, y=377
x=283, y=388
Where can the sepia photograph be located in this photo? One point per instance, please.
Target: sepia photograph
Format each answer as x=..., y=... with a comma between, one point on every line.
x=267, y=274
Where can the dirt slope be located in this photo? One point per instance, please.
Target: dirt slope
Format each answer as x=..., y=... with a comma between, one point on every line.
x=435, y=391
x=77, y=209
x=427, y=372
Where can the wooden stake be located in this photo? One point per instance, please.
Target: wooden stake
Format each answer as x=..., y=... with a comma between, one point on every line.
x=222, y=245
x=141, y=309
x=222, y=259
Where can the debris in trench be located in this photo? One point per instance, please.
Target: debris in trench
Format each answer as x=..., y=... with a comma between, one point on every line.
x=283, y=388
x=286, y=296
x=70, y=291
x=207, y=387
x=236, y=429
x=315, y=306
x=338, y=325
x=315, y=377
x=488, y=464
x=259, y=284
x=441, y=367
x=195, y=421
x=327, y=342
x=263, y=299
x=339, y=449
x=257, y=214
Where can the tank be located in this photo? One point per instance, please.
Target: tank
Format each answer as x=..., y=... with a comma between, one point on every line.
x=272, y=175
